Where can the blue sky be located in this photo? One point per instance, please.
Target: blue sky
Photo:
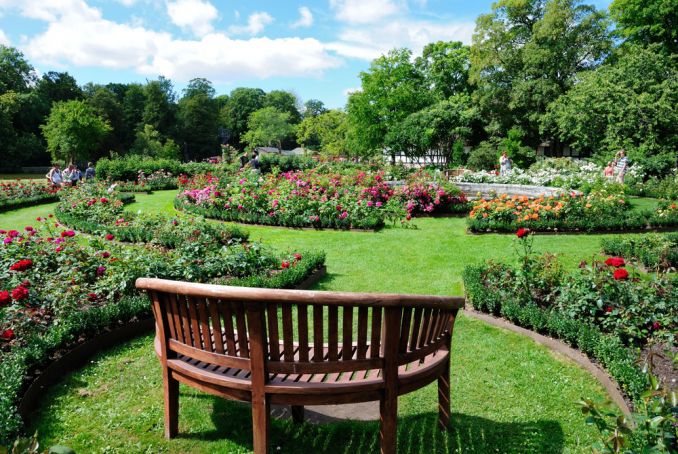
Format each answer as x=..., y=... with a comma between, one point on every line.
x=315, y=48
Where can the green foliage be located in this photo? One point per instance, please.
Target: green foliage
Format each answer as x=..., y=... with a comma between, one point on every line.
x=521, y=156
x=198, y=119
x=270, y=162
x=149, y=143
x=651, y=428
x=445, y=66
x=242, y=102
x=159, y=106
x=325, y=132
x=284, y=101
x=127, y=168
x=73, y=131
x=527, y=53
x=267, y=127
x=313, y=108
x=16, y=74
x=629, y=104
x=647, y=23
x=658, y=252
x=485, y=156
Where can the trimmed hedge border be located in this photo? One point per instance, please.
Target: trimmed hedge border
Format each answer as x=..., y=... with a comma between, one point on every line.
x=216, y=215
x=607, y=349
x=28, y=202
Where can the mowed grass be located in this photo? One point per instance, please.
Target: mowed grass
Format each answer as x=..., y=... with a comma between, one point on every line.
x=21, y=176
x=509, y=394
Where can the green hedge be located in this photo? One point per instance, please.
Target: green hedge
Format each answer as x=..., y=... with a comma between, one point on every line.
x=127, y=168
x=656, y=251
x=607, y=349
x=14, y=204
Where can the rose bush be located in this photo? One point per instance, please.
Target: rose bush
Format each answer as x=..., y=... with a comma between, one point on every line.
x=320, y=198
x=56, y=288
x=18, y=193
x=655, y=251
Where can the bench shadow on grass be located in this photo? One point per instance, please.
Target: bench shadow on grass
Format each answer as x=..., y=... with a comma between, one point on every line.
x=416, y=434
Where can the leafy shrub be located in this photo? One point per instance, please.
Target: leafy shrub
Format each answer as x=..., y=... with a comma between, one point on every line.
x=485, y=156
x=127, y=168
x=21, y=193
x=659, y=252
x=664, y=188
x=268, y=161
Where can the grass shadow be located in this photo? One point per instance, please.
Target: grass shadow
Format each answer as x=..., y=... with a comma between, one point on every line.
x=416, y=433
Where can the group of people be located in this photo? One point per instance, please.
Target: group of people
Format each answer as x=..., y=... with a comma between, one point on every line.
x=253, y=162
x=616, y=169
x=70, y=176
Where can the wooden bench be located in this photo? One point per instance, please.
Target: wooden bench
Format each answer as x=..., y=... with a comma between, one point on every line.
x=295, y=347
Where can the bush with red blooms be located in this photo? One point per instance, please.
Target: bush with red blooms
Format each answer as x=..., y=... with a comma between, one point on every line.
x=18, y=193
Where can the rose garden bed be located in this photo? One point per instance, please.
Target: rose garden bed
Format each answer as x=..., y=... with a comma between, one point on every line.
x=57, y=290
x=23, y=193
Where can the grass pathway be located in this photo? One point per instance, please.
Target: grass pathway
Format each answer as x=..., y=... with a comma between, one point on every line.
x=508, y=393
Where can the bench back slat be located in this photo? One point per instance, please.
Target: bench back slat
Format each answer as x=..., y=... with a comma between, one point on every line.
x=216, y=329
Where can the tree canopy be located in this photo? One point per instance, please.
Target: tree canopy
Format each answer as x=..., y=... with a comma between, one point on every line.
x=268, y=127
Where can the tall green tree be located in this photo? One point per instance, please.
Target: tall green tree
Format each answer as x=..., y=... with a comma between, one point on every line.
x=149, y=143
x=325, y=132
x=527, y=53
x=284, y=101
x=16, y=74
x=74, y=131
x=268, y=127
x=445, y=66
x=133, y=103
x=630, y=104
x=391, y=89
x=241, y=104
x=107, y=105
x=160, y=107
x=198, y=119
x=313, y=108
x=648, y=22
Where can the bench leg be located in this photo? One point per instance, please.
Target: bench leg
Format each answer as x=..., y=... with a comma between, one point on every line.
x=388, y=424
x=171, y=391
x=444, y=399
x=261, y=413
x=297, y=413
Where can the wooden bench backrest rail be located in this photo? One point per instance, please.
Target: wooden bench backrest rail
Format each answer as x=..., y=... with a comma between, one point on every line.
x=299, y=332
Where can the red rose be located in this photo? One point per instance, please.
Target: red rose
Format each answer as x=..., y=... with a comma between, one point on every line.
x=104, y=200
x=285, y=264
x=522, y=232
x=609, y=309
x=92, y=296
x=615, y=261
x=21, y=265
x=656, y=326
x=297, y=256
x=110, y=236
x=20, y=293
x=7, y=335
x=105, y=254
x=67, y=233
x=5, y=299
x=620, y=274
x=13, y=233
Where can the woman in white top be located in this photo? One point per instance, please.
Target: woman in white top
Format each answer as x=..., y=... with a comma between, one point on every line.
x=504, y=164
x=54, y=176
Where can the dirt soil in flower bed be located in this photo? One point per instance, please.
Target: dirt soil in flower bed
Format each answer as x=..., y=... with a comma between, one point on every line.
x=662, y=363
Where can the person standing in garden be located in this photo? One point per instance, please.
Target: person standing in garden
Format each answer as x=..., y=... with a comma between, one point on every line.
x=76, y=175
x=54, y=176
x=621, y=166
x=504, y=164
x=90, y=172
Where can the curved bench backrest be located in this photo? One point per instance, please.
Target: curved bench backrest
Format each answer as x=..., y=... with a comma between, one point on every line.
x=296, y=331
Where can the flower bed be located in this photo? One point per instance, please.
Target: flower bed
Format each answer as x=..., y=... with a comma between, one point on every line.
x=56, y=291
x=22, y=193
x=604, y=309
x=91, y=209
x=157, y=181
x=656, y=252
x=598, y=211
x=352, y=199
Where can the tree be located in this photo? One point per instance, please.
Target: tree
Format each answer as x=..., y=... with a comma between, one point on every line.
x=105, y=103
x=313, y=108
x=630, y=104
x=54, y=86
x=241, y=104
x=198, y=120
x=133, y=103
x=74, y=131
x=445, y=66
x=325, y=132
x=284, y=101
x=648, y=22
x=527, y=53
x=159, y=106
x=16, y=74
x=149, y=143
x=435, y=128
x=267, y=127
x=392, y=89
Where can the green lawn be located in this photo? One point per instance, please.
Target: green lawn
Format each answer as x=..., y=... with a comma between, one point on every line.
x=509, y=394
x=21, y=176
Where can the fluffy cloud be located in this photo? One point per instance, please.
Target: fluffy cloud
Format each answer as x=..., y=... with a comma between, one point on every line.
x=4, y=39
x=256, y=23
x=194, y=15
x=368, y=43
x=98, y=42
x=50, y=10
x=305, y=18
x=364, y=11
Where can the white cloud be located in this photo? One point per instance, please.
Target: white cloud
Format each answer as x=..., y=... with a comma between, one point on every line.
x=364, y=11
x=348, y=91
x=255, y=24
x=368, y=43
x=50, y=10
x=305, y=18
x=92, y=41
x=4, y=39
x=194, y=15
